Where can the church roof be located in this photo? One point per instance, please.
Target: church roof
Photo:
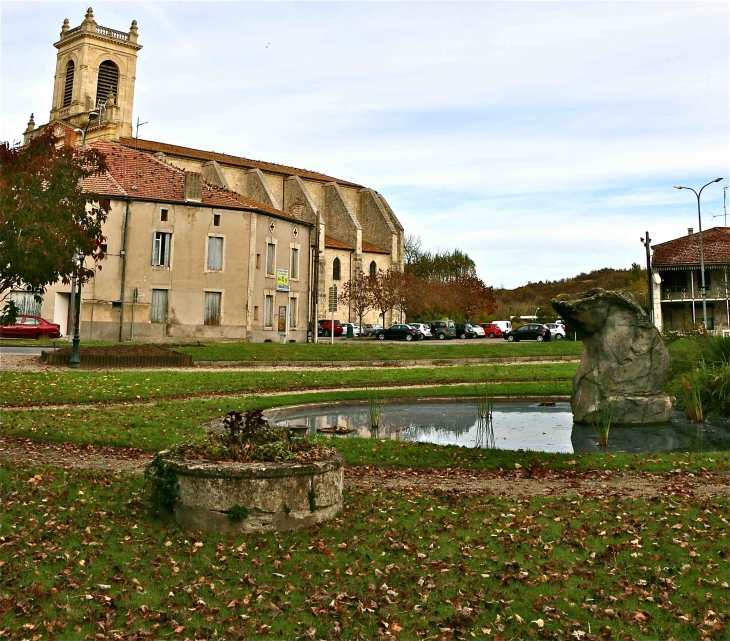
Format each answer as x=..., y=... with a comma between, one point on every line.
x=141, y=176
x=686, y=249
x=372, y=249
x=236, y=161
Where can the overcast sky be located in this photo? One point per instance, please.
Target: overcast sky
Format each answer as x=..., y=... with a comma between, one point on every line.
x=542, y=138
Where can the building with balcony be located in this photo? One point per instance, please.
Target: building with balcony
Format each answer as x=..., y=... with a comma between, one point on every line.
x=677, y=281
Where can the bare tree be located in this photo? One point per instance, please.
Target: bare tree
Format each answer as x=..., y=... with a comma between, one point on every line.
x=411, y=248
x=357, y=295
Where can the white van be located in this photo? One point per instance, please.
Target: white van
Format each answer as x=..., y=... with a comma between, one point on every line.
x=505, y=326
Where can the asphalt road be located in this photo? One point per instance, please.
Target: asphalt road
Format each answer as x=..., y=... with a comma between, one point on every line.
x=23, y=351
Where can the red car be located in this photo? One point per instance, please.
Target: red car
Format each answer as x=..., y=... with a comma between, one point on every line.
x=491, y=330
x=325, y=328
x=30, y=327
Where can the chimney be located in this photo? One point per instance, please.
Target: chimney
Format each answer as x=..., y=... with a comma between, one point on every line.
x=193, y=187
x=690, y=231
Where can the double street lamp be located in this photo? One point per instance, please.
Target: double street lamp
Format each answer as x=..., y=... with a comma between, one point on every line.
x=75, y=360
x=702, y=254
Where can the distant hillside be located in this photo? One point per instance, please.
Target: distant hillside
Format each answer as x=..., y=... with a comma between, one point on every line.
x=524, y=300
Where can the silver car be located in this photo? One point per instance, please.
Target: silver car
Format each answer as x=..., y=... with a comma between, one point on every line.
x=423, y=328
x=557, y=330
x=370, y=329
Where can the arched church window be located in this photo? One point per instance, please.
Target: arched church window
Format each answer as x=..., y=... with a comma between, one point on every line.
x=336, y=269
x=373, y=269
x=107, y=82
x=69, y=86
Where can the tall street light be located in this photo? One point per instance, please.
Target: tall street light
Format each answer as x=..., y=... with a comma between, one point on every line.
x=702, y=254
x=75, y=361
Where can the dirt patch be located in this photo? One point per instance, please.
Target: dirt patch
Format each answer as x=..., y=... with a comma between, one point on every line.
x=118, y=350
x=450, y=482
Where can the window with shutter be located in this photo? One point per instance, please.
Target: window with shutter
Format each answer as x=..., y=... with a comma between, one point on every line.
x=159, y=306
x=270, y=258
x=294, y=267
x=161, y=249
x=269, y=311
x=212, y=308
x=293, y=312
x=215, y=253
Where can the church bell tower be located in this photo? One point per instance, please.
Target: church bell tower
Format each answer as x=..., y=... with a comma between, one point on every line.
x=95, y=71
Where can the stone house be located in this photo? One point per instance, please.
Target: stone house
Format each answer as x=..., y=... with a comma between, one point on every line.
x=343, y=226
x=677, y=280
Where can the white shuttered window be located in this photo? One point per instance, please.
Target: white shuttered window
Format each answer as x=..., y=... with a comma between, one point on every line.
x=215, y=252
x=212, y=308
x=161, y=249
x=269, y=311
x=293, y=312
x=294, y=268
x=270, y=258
x=159, y=306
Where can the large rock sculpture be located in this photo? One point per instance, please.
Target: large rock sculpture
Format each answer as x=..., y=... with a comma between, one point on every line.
x=624, y=360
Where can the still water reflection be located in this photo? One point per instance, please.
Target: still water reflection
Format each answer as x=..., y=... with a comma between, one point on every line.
x=514, y=426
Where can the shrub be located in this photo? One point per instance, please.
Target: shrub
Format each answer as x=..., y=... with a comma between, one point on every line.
x=249, y=438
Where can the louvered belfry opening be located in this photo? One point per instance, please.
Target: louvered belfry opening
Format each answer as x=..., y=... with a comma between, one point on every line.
x=108, y=81
x=69, y=86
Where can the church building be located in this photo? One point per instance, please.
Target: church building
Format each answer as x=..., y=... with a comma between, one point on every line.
x=201, y=244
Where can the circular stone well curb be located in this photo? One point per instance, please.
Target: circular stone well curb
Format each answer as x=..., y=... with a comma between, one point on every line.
x=222, y=496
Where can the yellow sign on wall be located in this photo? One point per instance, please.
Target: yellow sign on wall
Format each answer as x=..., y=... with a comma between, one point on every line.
x=282, y=280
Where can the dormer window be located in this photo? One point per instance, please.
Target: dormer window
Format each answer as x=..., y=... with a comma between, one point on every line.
x=69, y=86
x=107, y=82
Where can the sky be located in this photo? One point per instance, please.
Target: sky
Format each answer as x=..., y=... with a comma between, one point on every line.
x=542, y=138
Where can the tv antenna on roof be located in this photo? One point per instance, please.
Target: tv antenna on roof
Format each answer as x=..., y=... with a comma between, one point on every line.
x=139, y=124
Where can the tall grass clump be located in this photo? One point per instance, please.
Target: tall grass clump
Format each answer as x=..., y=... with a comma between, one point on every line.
x=699, y=375
x=374, y=408
x=601, y=421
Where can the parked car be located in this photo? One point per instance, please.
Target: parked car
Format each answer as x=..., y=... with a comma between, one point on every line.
x=355, y=328
x=325, y=328
x=30, y=327
x=464, y=330
x=479, y=331
x=423, y=328
x=492, y=330
x=442, y=329
x=529, y=332
x=370, y=329
x=400, y=332
x=557, y=330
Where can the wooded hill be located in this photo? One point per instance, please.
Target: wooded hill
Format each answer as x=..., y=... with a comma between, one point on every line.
x=523, y=301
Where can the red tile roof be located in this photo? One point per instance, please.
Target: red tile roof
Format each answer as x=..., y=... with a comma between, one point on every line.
x=331, y=243
x=236, y=161
x=138, y=175
x=686, y=249
x=372, y=249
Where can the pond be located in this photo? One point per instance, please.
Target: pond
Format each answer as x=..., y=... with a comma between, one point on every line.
x=514, y=425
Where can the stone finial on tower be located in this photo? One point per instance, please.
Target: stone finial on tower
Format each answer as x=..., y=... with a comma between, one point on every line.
x=89, y=23
x=31, y=124
x=133, y=32
x=65, y=27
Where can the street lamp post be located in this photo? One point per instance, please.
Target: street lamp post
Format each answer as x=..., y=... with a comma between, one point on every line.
x=75, y=361
x=702, y=254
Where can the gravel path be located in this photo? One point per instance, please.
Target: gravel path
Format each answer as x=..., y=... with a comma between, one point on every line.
x=24, y=363
x=459, y=482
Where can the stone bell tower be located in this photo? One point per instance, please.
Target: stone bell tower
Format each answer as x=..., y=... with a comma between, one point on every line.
x=95, y=71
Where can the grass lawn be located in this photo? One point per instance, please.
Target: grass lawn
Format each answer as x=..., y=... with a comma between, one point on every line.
x=73, y=386
x=374, y=350
x=82, y=557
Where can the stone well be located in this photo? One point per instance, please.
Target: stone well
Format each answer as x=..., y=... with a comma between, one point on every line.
x=259, y=496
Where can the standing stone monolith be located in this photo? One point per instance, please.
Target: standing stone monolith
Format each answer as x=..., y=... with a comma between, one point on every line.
x=624, y=362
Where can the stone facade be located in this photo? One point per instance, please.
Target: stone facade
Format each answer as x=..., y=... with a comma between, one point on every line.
x=95, y=72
